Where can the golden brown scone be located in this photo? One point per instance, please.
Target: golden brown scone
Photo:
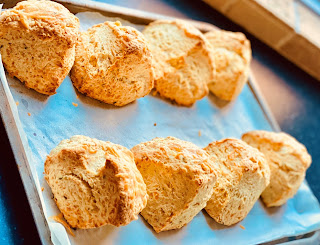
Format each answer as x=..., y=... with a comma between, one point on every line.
x=244, y=174
x=288, y=161
x=232, y=53
x=183, y=63
x=95, y=182
x=37, y=43
x=113, y=64
x=179, y=178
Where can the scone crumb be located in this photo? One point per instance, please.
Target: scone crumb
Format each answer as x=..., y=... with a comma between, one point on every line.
x=117, y=23
x=59, y=218
x=199, y=133
x=42, y=188
x=155, y=124
x=29, y=114
x=17, y=103
x=75, y=104
x=92, y=150
x=242, y=227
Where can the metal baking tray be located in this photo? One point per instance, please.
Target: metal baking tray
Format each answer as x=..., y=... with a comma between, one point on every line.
x=31, y=137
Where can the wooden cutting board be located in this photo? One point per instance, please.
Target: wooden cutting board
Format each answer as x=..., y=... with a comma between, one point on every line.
x=288, y=26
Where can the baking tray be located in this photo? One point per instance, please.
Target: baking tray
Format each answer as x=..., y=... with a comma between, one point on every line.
x=250, y=99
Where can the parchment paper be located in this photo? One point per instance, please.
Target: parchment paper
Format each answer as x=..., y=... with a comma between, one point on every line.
x=52, y=119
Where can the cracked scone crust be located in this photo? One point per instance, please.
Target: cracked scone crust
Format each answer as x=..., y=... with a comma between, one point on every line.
x=113, y=64
x=288, y=160
x=95, y=183
x=37, y=43
x=183, y=63
x=179, y=178
x=244, y=174
x=232, y=54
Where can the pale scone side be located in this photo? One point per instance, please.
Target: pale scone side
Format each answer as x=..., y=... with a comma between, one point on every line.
x=37, y=43
x=95, y=183
x=183, y=62
x=113, y=64
x=244, y=174
x=288, y=160
x=179, y=178
x=232, y=54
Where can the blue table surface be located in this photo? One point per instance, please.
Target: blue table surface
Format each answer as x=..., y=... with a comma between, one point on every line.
x=293, y=97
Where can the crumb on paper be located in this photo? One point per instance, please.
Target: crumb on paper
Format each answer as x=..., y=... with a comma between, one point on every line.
x=75, y=104
x=17, y=103
x=242, y=227
x=155, y=93
x=155, y=124
x=42, y=188
x=77, y=96
x=199, y=133
x=59, y=218
x=29, y=114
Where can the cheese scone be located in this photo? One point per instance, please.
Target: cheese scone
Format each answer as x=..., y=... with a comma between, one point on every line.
x=37, y=43
x=179, y=178
x=95, y=183
x=113, y=64
x=288, y=160
x=183, y=63
x=232, y=54
x=244, y=174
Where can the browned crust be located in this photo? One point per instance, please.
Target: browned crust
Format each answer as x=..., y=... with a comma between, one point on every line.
x=45, y=19
x=130, y=192
x=133, y=47
x=278, y=140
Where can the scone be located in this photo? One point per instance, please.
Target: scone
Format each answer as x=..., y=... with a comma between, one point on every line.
x=244, y=174
x=37, y=43
x=113, y=64
x=95, y=183
x=288, y=161
x=183, y=62
x=232, y=53
x=179, y=178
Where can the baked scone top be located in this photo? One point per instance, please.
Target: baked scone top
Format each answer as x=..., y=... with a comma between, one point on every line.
x=175, y=154
x=176, y=41
x=183, y=62
x=283, y=141
x=236, y=158
x=122, y=41
x=233, y=41
x=46, y=18
x=95, y=182
x=179, y=178
x=113, y=64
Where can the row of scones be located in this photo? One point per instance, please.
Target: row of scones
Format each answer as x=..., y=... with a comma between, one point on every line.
x=40, y=44
x=169, y=181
